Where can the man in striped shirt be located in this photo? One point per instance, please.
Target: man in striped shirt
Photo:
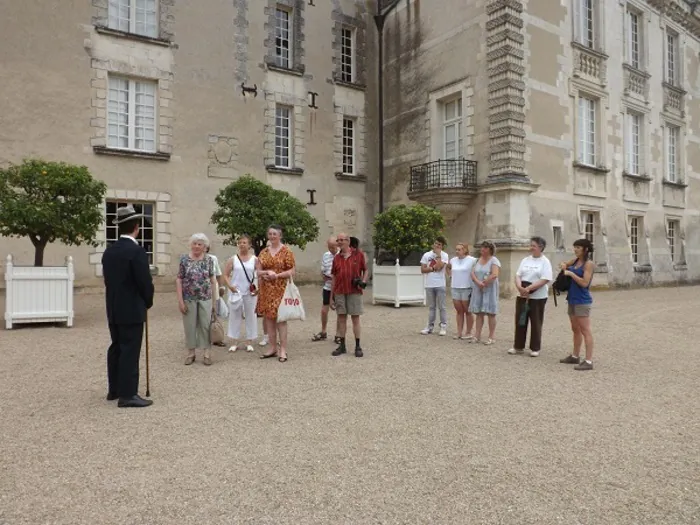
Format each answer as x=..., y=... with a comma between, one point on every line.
x=326, y=267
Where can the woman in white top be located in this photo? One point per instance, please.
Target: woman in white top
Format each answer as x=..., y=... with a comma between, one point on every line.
x=460, y=270
x=239, y=275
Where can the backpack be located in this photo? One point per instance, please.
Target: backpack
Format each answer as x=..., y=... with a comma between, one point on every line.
x=561, y=284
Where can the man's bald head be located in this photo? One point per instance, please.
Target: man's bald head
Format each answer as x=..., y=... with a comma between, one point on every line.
x=332, y=244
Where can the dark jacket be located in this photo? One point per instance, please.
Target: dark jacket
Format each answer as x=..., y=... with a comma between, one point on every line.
x=128, y=282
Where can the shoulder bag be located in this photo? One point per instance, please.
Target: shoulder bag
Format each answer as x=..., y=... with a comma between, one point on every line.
x=253, y=289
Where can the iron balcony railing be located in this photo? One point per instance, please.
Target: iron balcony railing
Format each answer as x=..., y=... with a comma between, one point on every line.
x=443, y=174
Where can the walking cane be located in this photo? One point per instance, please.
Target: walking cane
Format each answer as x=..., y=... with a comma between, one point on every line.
x=148, y=369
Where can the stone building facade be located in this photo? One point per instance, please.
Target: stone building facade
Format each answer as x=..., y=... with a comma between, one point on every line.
x=559, y=118
x=169, y=101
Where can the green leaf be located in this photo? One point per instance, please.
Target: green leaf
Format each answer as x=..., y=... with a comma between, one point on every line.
x=404, y=229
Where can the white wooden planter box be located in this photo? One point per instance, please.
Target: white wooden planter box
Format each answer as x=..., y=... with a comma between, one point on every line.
x=38, y=294
x=397, y=285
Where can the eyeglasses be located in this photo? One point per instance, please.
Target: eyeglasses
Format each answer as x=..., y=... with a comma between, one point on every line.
x=342, y=240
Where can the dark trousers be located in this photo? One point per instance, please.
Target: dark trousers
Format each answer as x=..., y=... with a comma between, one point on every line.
x=123, y=359
x=535, y=317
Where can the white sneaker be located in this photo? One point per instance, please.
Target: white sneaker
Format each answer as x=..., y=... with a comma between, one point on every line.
x=264, y=341
x=426, y=331
x=249, y=348
x=534, y=354
x=233, y=348
x=443, y=330
x=514, y=351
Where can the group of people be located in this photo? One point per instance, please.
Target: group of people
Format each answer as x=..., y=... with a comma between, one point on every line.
x=475, y=293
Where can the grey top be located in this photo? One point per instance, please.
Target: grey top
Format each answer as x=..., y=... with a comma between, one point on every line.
x=485, y=301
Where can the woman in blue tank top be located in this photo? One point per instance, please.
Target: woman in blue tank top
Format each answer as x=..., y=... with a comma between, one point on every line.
x=580, y=270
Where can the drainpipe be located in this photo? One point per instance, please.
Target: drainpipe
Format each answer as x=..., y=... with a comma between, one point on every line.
x=379, y=19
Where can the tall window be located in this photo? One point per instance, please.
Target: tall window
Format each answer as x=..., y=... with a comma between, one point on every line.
x=634, y=139
x=283, y=38
x=452, y=129
x=587, y=131
x=634, y=28
x=672, y=62
x=145, y=236
x=673, y=229
x=283, y=137
x=134, y=16
x=672, y=142
x=589, y=225
x=586, y=22
x=131, y=114
x=348, y=146
x=634, y=237
x=347, y=53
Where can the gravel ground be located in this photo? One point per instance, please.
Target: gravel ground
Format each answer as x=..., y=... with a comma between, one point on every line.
x=421, y=430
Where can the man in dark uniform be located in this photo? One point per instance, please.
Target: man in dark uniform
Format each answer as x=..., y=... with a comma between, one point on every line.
x=129, y=294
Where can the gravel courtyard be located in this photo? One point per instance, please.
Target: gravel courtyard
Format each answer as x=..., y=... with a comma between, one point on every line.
x=422, y=430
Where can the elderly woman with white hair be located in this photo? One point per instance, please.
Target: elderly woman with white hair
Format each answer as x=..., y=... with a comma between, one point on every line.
x=196, y=282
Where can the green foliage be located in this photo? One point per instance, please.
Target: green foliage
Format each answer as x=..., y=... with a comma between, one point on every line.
x=248, y=205
x=404, y=229
x=50, y=201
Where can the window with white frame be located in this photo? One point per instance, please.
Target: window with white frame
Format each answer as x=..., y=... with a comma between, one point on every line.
x=635, y=229
x=347, y=54
x=672, y=58
x=634, y=38
x=587, y=132
x=131, y=114
x=283, y=136
x=586, y=22
x=558, y=238
x=588, y=218
x=453, y=144
x=673, y=236
x=672, y=138
x=134, y=16
x=634, y=143
x=145, y=236
x=348, y=146
x=283, y=38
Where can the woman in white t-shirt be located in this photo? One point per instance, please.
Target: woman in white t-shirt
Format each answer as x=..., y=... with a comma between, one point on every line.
x=531, y=280
x=239, y=275
x=460, y=270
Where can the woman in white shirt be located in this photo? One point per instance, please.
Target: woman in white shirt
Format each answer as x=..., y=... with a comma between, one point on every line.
x=531, y=280
x=239, y=275
x=460, y=270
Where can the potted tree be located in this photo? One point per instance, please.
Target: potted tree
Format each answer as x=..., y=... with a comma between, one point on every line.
x=46, y=202
x=249, y=206
x=401, y=232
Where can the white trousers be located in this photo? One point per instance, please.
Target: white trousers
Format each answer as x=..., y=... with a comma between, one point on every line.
x=235, y=319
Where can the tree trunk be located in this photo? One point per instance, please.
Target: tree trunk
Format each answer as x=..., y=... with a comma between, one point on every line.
x=39, y=247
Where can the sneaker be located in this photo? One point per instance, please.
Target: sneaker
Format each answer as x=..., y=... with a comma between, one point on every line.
x=249, y=348
x=358, y=352
x=339, y=351
x=570, y=360
x=233, y=348
x=443, y=329
x=584, y=365
x=264, y=341
x=426, y=331
x=534, y=353
x=514, y=351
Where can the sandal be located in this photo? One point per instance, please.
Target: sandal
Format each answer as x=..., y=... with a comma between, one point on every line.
x=321, y=336
x=268, y=356
x=207, y=361
x=337, y=339
x=190, y=359
x=283, y=359
x=488, y=342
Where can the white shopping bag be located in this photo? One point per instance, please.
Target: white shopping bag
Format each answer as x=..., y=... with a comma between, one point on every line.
x=221, y=308
x=291, y=308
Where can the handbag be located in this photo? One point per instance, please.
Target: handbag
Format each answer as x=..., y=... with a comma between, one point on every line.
x=291, y=307
x=561, y=284
x=253, y=289
x=216, y=330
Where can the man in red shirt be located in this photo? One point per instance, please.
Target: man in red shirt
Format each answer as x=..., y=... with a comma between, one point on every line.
x=349, y=279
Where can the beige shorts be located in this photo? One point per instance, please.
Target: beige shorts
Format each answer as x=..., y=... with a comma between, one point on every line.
x=580, y=310
x=350, y=304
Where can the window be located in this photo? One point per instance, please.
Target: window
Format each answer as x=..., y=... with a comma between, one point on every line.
x=589, y=226
x=283, y=137
x=146, y=231
x=283, y=38
x=131, y=114
x=633, y=143
x=585, y=23
x=558, y=237
x=635, y=227
x=452, y=129
x=587, y=131
x=134, y=16
x=672, y=136
x=672, y=62
x=673, y=236
x=348, y=146
x=634, y=28
x=347, y=53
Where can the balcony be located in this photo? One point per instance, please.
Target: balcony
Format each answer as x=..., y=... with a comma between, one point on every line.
x=674, y=100
x=448, y=185
x=590, y=65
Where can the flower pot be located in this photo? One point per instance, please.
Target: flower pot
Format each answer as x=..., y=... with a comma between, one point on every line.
x=397, y=285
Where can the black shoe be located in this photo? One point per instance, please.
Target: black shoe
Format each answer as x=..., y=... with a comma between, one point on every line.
x=358, y=352
x=111, y=396
x=339, y=351
x=135, y=401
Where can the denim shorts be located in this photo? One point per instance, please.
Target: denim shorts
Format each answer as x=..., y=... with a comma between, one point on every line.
x=461, y=294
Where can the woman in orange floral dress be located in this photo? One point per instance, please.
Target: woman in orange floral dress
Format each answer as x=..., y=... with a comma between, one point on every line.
x=275, y=267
